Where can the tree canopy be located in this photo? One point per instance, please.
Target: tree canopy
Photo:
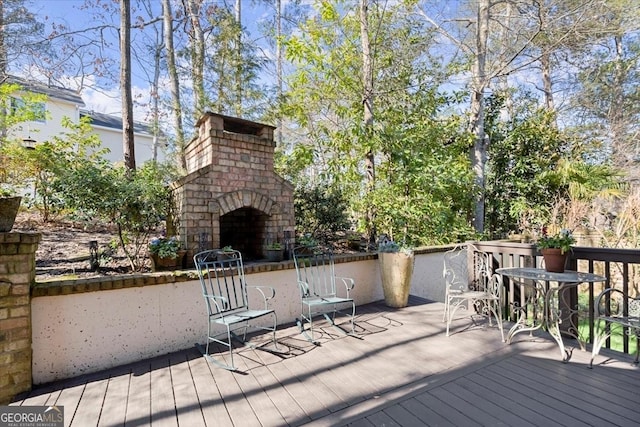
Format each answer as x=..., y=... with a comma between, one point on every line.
x=433, y=121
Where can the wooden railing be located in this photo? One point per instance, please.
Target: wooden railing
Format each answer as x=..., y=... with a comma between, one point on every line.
x=620, y=266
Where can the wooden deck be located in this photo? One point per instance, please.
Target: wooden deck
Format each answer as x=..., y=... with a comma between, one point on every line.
x=402, y=370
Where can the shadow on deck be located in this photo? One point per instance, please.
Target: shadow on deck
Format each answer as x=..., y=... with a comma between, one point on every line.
x=401, y=370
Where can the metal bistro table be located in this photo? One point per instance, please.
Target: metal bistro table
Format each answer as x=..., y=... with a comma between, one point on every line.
x=543, y=305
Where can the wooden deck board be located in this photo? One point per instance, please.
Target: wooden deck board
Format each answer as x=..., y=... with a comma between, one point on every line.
x=423, y=412
x=88, y=412
x=70, y=398
x=213, y=407
x=163, y=405
x=594, y=398
x=184, y=391
x=402, y=370
x=115, y=400
x=506, y=402
x=139, y=398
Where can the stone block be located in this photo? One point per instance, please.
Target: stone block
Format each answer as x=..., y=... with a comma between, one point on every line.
x=13, y=323
x=22, y=311
x=5, y=288
x=20, y=289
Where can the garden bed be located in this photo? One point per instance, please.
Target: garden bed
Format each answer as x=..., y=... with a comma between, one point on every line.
x=63, y=251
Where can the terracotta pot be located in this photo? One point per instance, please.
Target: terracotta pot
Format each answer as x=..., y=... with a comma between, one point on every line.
x=8, y=210
x=158, y=264
x=554, y=260
x=396, y=269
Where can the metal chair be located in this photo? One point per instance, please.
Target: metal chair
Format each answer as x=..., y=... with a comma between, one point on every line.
x=317, y=281
x=471, y=285
x=226, y=296
x=615, y=308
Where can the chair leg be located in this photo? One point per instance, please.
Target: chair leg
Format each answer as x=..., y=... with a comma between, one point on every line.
x=446, y=308
x=353, y=315
x=497, y=313
x=275, y=324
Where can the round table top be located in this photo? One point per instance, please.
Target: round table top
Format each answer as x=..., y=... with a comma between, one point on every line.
x=568, y=276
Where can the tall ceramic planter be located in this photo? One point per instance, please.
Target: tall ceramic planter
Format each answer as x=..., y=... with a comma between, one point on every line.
x=8, y=210
x=396, y=269
x=554, y=259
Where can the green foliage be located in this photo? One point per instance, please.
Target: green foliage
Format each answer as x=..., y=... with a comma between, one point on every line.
x=43, y=164
x=13, y=169
x=320, y=210
x=423, y=188
x=275, y=246
x=136, y=204
x=233, y=72
x=561, y=240
x=522, y=151
x=165, y=247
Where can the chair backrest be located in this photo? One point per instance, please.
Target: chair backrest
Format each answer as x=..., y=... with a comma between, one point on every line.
x=221, y=275
x=467, y=268
x=315, y=271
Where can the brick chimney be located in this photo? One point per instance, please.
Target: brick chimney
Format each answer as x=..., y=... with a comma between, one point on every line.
x=231, y=195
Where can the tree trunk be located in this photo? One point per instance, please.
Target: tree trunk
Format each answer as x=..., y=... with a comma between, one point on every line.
x=197, y=56
x=278, y=69
x=616, y=115
x=128, y=147
x=547, y=86
x=368, y=116
x=173, y=79
x=3, y=70
x=479, y=81
x=154, y=101
x=238, y=77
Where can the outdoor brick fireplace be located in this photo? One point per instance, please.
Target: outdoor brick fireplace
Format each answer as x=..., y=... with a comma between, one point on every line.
x=231, y=195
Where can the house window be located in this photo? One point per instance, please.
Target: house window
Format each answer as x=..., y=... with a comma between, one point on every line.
x=35, y=110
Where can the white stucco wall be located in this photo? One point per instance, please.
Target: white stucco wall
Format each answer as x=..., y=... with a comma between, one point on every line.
x=87, y=332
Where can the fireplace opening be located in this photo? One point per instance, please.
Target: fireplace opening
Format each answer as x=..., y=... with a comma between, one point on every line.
x=244, y=229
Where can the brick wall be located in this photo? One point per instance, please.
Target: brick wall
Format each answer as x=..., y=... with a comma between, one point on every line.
x=17, y=273
x=230, y=172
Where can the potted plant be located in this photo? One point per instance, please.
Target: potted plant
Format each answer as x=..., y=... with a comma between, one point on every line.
x=396, y=269
x=165, y=253
x=226, y=252
x=306, y=244
x=275, y=252
x=9, y=205
x=555, y=248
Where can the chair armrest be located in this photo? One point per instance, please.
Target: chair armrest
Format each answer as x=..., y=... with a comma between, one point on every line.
x=215, y=299
x=267, y=292
x=348, y=283
x=304, y=288
x=600, y=306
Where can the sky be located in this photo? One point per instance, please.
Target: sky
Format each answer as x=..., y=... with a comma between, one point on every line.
x=108, y=100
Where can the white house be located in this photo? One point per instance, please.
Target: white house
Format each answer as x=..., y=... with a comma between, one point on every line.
x=61, y=102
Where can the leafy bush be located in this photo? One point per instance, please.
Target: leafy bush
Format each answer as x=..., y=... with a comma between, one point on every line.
x=320, y=210
x=135, y=202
